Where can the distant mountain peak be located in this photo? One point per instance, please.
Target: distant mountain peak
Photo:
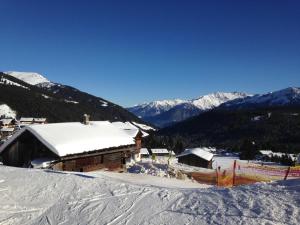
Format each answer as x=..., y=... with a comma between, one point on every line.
x=28, y=77
x=167, y=111
x=287, y=96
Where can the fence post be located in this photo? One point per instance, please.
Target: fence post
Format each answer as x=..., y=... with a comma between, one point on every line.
x=287, y=173
x=217, y=176
x=233, y=173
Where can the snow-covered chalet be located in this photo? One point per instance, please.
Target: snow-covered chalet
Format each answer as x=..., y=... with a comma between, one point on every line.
x=74, y=146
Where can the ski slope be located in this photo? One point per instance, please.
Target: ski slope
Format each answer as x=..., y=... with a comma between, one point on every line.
x=29, y=196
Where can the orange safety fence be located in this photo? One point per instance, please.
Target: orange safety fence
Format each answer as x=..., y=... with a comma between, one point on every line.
x=205, y=177
x=248, y=173
x=244, y=173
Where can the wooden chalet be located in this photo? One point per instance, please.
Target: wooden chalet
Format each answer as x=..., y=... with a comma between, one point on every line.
x=7, y=123
x=72, y=146
x=6, y=131
x=31, y=120
x=160, y=152
x=196, y=157
x=144, y=153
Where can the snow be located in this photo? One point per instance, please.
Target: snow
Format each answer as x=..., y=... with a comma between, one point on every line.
x=266, y=152
x=144, y=151
x=155, y=108
x=29, y=77
x=198, y=152
x=6, y=111
x=30, y=196
x=210, y=101
x=103, y=103
x=72, y=138
x=7, y=129
x=9, y=82
x=203, y=103
x=5, y=121
x=26, y=119
x=45, y=96
x=73, y=102
x=129, y=128
x=40, y=120
x=281, y=97
x=143, y=126
x=160, y=151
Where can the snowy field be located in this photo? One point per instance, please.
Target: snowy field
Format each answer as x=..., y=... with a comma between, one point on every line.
x=29, y=196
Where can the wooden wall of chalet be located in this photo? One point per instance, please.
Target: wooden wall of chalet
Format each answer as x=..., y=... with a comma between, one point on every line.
x=111, y=161
x=193, y=160
x=24, y=149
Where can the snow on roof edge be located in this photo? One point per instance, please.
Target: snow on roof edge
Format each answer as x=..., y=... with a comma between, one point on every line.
x=198, y=152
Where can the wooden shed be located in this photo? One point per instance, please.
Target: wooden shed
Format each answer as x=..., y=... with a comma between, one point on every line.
x=72, y=146
x=196, y=157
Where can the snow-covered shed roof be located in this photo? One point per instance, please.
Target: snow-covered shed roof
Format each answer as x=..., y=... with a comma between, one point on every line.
x=197, y=152
x=266, y=152
x=7, y=129
x=26, y=119
x=40, y=120
x=73, y=138
x=144, y=151
x=6, y=121
x=159, y=151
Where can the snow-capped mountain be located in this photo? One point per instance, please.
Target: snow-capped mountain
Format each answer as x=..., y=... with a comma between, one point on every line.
x=287, y=96
x=163, y=113
x=32, y=95
x=154, y=108
x=210, y=101
x=28, y=77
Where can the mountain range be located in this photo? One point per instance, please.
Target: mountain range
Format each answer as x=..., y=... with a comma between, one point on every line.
x=167, y=112
x=271, y=121
x=24, y=94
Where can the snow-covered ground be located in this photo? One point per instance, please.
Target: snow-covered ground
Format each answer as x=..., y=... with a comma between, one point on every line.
x=6, y=111
x=29, y=196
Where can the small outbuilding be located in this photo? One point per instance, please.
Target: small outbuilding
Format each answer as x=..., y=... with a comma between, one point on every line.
x=144, y=153
x=160, y=152
x=6, y=131
x=7, y=122
x=196, y=157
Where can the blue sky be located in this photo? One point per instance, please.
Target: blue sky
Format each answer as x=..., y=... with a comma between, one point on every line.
x=135, y=51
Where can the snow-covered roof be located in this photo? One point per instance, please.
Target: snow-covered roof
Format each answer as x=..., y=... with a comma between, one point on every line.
x=6, y=121
x=73, y=138
x=160, y=151
x=209, y=149
x=144, y=151
x=7, y=129
x=129, y=128
x=39, y=119
x=26, y=119
x=266, y=152
x=198, y=152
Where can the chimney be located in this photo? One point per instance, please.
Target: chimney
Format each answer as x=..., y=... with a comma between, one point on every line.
x=86, y=119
